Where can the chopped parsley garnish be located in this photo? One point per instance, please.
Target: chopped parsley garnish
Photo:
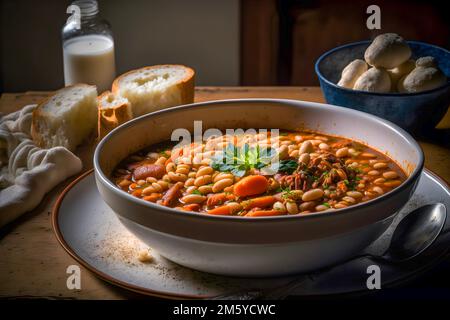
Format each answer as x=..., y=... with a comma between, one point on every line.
x=287, y=194
x=238, y=160
x=286, y=189
x=196, y=192
x=288, y=166
x=164, y=154
x=350, y=184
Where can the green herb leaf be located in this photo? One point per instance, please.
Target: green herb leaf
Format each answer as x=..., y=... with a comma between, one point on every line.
x=239, y=160
x=288, y=166
x=196, y=192
x=164, y=154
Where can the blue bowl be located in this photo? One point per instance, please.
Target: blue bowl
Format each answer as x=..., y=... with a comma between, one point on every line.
x=415, y=112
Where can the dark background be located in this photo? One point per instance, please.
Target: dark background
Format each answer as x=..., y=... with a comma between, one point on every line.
x=228, y=42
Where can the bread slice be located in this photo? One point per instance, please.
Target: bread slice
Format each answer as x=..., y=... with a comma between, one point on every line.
x=66, y=118
x=112, y=111
x=153, y=88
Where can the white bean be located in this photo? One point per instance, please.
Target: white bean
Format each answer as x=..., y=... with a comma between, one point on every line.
x=306, y=206
x=321, y=207
x=204, y=171
x=283, y=152
x=193, y=198
x=306, y=147
x=294, y=154
x=221, y=184
x=354, y=194
x=390, y=175
x=380, y=165
x=202, y=180
x=150, y=179
x=222, y=175
x=171, y=167
x=291, y=207
x=312, y=195
x=304, y=158
x=342, y=152
x=349, y=199
x=183, y=168
x=324, y=146
x=179, y=177
x=191, y=189
x=378, y=190
x=161, y=160
x=279, y=206
x=189, y=182
x=205, y=189
x=368, y=155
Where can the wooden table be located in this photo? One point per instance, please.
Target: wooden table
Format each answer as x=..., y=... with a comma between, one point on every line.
x=33, y=264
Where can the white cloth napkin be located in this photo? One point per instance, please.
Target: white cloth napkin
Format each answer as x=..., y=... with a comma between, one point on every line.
x=28, y=172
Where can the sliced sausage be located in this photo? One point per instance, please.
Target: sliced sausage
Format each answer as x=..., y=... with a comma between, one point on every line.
x=149, y=170
x=172, y=194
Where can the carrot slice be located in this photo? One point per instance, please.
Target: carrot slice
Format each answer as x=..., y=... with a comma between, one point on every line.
x=261, y=202
x=251, y=185
x=226, y=210
x=168, y=161
x=153, y=197
x=264, y=213
x=191, y=207
x=218, y=198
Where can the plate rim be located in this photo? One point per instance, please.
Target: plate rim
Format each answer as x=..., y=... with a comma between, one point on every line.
x=100, y=274
x=126, y=285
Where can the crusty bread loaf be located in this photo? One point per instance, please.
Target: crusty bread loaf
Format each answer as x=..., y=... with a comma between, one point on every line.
x=374, y=80
x=66, y=118
x=112, y=111
x=387, y=51
x=153, y=88
x=400, y=71
x=352, y=72
x=422, y=79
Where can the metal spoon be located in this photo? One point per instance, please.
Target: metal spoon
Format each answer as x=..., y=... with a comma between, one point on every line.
x=413, y=235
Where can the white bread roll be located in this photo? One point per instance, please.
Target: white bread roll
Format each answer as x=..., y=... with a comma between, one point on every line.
x=426, y=62
x=66, y=118
x=387, y=51
x=400, y=71
x=422, y=79
x=112, y=111
x=352, y=72
x=153, y=88
x=374, y=80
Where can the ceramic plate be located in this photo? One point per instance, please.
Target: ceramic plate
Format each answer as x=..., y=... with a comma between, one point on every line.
x=92, y=234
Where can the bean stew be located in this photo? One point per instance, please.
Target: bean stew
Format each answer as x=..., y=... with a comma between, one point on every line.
x=237, y=175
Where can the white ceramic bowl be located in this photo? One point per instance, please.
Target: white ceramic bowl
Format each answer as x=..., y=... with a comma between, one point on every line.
x=266, y=246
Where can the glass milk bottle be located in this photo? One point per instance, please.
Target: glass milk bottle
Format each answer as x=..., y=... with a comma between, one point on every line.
x=88, y=47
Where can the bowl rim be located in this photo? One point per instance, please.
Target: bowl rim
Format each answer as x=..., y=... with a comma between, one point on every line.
x=411, y=179
x=389, y=94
